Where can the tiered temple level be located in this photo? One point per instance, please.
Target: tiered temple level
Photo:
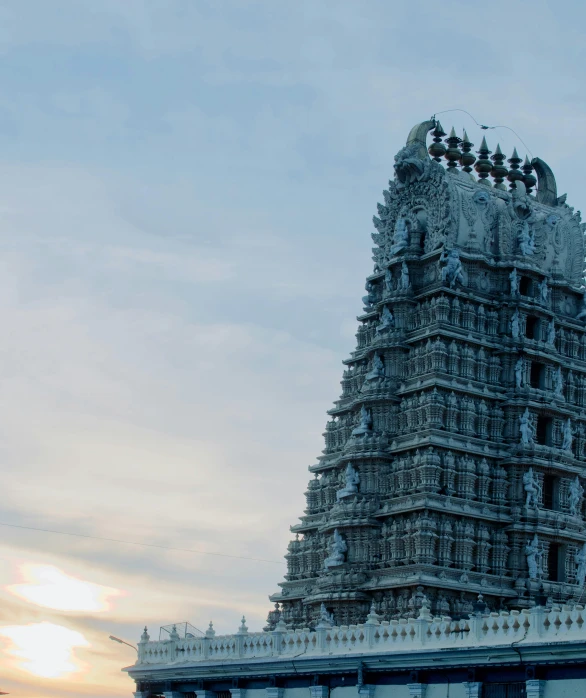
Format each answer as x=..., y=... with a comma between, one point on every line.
x=454, y=458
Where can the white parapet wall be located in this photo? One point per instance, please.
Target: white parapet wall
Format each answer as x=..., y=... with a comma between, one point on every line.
x=537, y=625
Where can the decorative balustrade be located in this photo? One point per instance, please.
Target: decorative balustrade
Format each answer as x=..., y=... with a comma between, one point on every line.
x=535, y=625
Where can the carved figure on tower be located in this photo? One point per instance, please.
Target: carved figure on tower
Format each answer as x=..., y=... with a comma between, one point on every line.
x=515, y=325
x=568, y=435
x=559, y=383
x=526, y=239
x=526, y=428
x=532, y=488
x=551, y=334
x=581, y=565
x=400, y=236
x=352, y=480
x=387, y=321
x=534, y=553
x=404, y=281
x=378, y=369
x=452, y=272
x=543, y=291
x=338, y=550
x=514, y=281
x=582, y=314
x=575, y=495
x=365, y=425
x=519, y=369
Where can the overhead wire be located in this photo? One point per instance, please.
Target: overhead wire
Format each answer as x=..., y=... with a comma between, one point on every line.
x=484, y=127
x=144, y=545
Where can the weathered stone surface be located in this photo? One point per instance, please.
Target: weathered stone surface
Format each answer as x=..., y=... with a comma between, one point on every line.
x=454, y=458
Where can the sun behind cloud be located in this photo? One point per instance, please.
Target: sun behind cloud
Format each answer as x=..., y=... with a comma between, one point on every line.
x=50, y=587
x=44, y=649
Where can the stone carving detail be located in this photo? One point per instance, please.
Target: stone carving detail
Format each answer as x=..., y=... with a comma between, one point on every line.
x=581, y=565
x=352, y=480
x=534, y=553
x=532, y=488
x=568, y=435
x=526, y=428
x=575, y=495
x=401, y=236
x=338, y=550
x=452, y=271
x=433, y=464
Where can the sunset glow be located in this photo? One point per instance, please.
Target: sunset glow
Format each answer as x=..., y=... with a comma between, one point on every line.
x=48, y=586
x=44, y=649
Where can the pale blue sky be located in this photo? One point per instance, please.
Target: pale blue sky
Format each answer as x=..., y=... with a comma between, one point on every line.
x=186, y=194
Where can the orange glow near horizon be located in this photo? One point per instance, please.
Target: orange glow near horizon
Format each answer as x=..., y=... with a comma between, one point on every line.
x=44, y=649
x=48, y=586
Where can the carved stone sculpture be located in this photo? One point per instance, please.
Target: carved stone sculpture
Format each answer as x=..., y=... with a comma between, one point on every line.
x=387, y=321
x=526, y=239
x=515, y=325
x=543, y=291
x=404, y=282
x=519, y=370
x=352, y=480
x=401, y=236
x=568, y=435
x=582, y=314
x=532, y=488
x=526, y=428
x=575, y=495
x=514, y=281
x=581, y=565
x=551, y=334
x=559, y=383
x=534, y=553
x=338, y=550
x=365, y=425
x=452, y=272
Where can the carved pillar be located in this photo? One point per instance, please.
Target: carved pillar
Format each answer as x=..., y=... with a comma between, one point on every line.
x=534, y=688
x=473, y=689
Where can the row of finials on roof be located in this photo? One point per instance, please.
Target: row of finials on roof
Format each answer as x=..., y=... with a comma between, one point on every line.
x=459, y=151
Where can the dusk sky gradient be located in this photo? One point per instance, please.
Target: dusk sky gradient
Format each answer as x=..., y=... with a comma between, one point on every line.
x=186, y=194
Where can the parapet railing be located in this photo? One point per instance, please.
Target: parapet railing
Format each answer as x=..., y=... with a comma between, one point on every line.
x=563, y=623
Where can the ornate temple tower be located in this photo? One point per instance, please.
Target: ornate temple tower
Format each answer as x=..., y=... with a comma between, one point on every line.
x=454, y=459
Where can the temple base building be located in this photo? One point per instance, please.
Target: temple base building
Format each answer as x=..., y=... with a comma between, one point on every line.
x=443, y=544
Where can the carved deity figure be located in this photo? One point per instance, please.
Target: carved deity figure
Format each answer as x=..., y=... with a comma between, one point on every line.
x=534, y=553
x=352, y=480
x=377, y=370
x=514, y=281
x=452, y=272
x=404, y=282
x=519, y=367
x=568, y=435
x=388, y=281
x=533, y=489
x=387, y=321
x=325, y=618
x=526, y=239
x=526, y=428
x=559, y=383
x=543, y=291
x=581, y=565
x=365, y=424
x=551, y=335
x=516, y=325
x=400, y=236
x=338, y=550
x=370, y=298
x=575, y=494
x=582, y=314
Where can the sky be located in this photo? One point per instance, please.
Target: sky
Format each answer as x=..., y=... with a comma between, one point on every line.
x=186, y=194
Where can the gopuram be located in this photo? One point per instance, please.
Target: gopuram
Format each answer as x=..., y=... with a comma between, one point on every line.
x=446, y=513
